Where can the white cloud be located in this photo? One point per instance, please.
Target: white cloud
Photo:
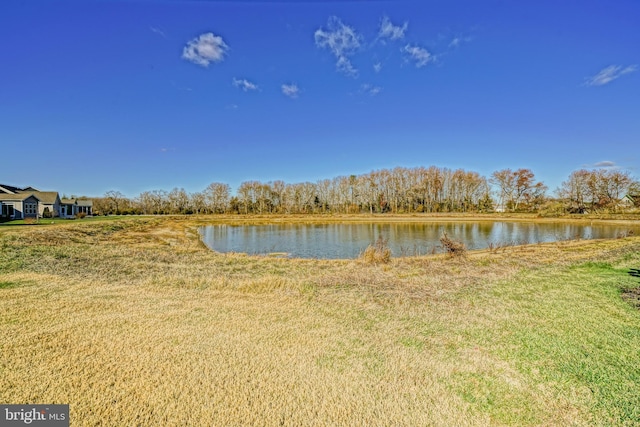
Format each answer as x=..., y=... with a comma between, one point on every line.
x=344, y=65
x=158, y=31
x=244, y=84
x=342, y=41
x=390, y=31
x=377, y=67
x=606, y=164
x=609, y=74
x=205, y=49
x=457, y=41
x=291, y=90
x=231, y=107
x=370, y=89
x=419, y=54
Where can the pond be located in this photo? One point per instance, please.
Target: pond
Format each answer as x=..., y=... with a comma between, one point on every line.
x=334, y=241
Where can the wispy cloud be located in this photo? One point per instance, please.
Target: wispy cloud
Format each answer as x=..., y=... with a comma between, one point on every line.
x=342, y=41
x=231, y=107
x=609, y=74
x=158, y=31
x=458, y=40
x=605, y=164
x=419, y=55
x=185, y=88
x=344, y=66
x=292, y=90
x=377, y=67
x=390, y=31
x=370, y=89
x=244, y=84
x=205, y=49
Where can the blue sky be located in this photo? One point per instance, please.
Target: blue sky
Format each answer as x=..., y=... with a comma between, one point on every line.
x=141, y=95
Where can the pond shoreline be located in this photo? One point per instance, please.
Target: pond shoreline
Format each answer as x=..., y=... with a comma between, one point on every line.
x=347, y=239
x=622, y=219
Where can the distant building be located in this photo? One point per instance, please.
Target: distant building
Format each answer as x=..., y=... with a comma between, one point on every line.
x=29, y=202
x=19, y=206
x=69, y=208
x=630, y=201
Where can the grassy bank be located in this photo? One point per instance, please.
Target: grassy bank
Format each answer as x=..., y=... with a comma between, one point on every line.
x=134, y=322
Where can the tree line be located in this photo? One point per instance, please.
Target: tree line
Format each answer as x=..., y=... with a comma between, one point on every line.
x=399, y=190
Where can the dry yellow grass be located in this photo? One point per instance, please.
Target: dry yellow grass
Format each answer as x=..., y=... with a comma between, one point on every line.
x=136, y=323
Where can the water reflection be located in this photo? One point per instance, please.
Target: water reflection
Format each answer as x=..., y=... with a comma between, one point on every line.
x=404, y=239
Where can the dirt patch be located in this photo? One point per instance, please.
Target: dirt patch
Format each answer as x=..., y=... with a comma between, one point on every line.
x=632, y=296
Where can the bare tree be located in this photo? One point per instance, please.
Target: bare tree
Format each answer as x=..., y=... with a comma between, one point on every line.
x=178, y=201
x=198, y=202
x=504, y=179
x=217, y=197
x=159, y=201
x=116, y=198
x=595, y=189
x=514, y=187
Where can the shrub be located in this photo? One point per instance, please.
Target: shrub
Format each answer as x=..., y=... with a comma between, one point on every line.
x=623, y=234
x=452, y=247
x=379, y=253
x=80, y=215
x=47, y=213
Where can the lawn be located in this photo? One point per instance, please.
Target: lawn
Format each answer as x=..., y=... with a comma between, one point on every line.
x=135, y=322
x=50, y=221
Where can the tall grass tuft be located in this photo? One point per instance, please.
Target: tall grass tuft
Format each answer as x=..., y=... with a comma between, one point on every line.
x=453, y=247
x=378, y=253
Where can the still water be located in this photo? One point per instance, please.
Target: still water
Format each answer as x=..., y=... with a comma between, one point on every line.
x=405, y=239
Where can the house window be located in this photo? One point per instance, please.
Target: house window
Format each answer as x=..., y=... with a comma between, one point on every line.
x=30, y=208
x=7, y=210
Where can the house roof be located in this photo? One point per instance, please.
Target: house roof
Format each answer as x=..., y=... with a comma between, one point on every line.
x=79, y=202
x=17, y=197
x=46, y=197
x=9, y=189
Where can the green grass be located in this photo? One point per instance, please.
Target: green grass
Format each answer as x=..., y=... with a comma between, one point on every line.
x=136, y=323
x=54, y=221
x=571, y=334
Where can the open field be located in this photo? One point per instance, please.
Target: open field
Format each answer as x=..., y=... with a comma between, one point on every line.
x=135, y=322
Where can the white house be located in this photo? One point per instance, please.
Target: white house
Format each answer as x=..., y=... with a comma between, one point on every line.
x=19, y=206
x=18, y=203
x=630, y=201
x=69, y=208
